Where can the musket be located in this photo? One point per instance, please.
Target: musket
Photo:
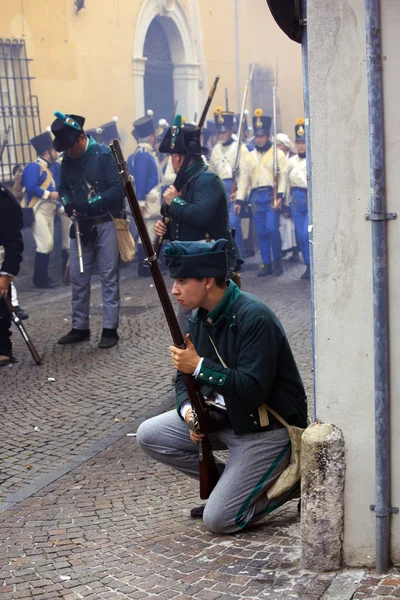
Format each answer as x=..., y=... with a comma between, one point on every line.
x=275, y=202
x=75, y=223
x=207, y=467
x=181, y=176
x=226, y=100
x=235, y=168
x=24, y=333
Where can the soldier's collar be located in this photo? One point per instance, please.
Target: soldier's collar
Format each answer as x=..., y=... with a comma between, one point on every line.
x=229, y=142
x=264, y=148
x=232, y=292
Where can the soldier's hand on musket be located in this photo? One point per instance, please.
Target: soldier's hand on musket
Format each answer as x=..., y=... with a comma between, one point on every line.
x=236, y=209
x=185, y=360
x=170, y=193
x=54, y=196
x=232, y=197
x=194, y=435
x=4, y=285
x=278, y=204
x=160, y=228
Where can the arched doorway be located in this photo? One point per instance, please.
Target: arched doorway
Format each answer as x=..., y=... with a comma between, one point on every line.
x=158, y=75
x=181, y=48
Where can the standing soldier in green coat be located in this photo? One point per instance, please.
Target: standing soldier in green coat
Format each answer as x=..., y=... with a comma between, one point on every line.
x=238, y=352
x=200, y=211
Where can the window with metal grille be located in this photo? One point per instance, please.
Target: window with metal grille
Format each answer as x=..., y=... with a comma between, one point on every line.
x=19, y=109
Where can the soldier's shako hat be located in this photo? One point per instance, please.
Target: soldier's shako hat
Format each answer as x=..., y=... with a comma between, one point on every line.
x=107, y=132
x=95, y=135
x=224, y=120
x=66, y=130
x=178, y=138
x=197, y=259
x=144, y=127
x=42, y=143
x=161, y=129
x=300, y=131
x=211, y=127
x=245, y=122
x=261, y=123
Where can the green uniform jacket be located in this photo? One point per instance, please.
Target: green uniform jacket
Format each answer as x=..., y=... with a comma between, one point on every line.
x=202, y=209
x=260, y=364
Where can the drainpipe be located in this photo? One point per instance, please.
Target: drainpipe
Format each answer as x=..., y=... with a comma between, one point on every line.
x=378, y=218
x=306, y=98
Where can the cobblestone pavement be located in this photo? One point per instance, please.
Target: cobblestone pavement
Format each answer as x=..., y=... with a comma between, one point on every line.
x=55, y=413
x=117, y=525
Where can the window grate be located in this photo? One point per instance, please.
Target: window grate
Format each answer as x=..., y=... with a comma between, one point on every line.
x=19, y=108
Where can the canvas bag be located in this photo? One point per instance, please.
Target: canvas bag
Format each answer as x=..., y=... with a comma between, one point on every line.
x=125, y=241
x=292, y=474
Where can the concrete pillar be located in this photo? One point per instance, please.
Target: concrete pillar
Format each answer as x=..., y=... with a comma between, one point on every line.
x=322, y=497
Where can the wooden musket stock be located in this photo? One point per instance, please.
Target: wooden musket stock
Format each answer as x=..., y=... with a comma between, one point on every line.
x=207, y=467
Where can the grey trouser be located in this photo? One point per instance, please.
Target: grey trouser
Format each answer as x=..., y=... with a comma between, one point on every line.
x=104, y=252
x=255, y=461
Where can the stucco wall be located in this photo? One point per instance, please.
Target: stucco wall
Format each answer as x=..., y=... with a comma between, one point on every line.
x=84, y=63
x=342, y=249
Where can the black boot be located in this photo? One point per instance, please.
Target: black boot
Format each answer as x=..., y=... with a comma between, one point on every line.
x=264, y=270
x=74, y=336
x=41, y=278
x=278, y=268
x=109, y=337
x=306, y=274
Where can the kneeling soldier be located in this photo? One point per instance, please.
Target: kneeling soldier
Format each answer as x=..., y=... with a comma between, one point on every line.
x=236, y=346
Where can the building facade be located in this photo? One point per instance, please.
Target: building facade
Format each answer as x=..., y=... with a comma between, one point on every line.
x=118, y=58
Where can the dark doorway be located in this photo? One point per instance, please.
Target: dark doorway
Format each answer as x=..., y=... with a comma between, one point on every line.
x=158, y=80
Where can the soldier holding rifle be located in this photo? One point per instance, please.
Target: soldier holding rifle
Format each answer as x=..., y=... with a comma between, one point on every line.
x=90, y=188
x=200, y=210
x=237, y=351
x=11, y=249
x=257, y=174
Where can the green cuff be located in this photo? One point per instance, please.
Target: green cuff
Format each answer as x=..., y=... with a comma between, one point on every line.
x=64, y=200
x=179, y=201
x=95, y=199
x=211, y=376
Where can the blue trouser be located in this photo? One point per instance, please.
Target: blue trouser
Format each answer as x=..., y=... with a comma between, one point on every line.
x=266, y=221
x=300, y=219
x=234, y=220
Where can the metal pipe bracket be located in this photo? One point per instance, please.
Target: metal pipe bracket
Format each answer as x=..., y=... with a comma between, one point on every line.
x=380, y=216
x=384, y=512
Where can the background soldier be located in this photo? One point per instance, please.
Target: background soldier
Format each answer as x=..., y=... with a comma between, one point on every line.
x=42, y=197
x=222, y=161
x=257, y=175
x=200, y=211
x=144, y=168
x=90, y=186
x=11, y=249
x=297, y=178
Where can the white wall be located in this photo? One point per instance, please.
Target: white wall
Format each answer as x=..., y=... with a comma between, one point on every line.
x=342, y=253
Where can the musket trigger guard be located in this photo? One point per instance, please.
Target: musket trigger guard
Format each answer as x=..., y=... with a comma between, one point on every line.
x=148, y=260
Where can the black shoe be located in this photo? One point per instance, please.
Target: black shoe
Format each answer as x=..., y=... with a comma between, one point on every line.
x=278, y=268
x=21, y=314
x=264, y=270
x=306, y=274
x=74, y=336
x=295, y=256
x=197, y=512
x=109, y=338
